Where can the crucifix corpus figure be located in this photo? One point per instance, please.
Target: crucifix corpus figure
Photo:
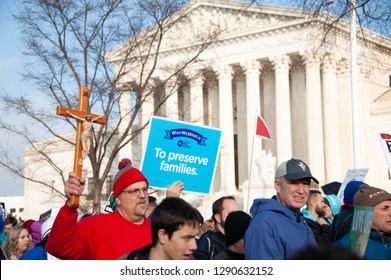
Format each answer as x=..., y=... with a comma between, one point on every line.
x=86, y=134
x=83, y=132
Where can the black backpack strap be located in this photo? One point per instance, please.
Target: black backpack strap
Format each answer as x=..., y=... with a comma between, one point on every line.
x=341, y=229
x=346, y=220
x=211, y=248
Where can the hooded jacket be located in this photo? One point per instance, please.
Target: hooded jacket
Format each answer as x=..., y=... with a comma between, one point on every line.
x=276, y=232
x=378, y=247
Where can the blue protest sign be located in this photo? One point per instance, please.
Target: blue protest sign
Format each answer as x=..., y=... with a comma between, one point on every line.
x=180, y=151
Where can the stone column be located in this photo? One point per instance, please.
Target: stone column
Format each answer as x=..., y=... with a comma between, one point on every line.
x=213, y=120
x=124, y=112
x=283, y=110
x=171, y=92
x=213, y=102
x=253, y=105
x=185, y=109
x=196, y=99
x=147, y=109
x=331, y=120
x=240, y=129
x=227, y=163
x=298, y=112
x=344, y=108
x=314, y=116
x=268, y=106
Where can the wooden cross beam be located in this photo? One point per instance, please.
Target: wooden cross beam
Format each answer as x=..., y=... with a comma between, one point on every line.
x=83, y=133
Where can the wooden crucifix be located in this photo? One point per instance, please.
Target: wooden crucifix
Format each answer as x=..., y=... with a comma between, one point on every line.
x=83, y=133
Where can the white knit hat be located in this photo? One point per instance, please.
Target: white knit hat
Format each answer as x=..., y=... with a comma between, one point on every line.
x=47, y=226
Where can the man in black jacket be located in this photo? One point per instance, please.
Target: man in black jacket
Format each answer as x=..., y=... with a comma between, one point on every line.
x=235, y=229
x=313, y=216
x=212, y=242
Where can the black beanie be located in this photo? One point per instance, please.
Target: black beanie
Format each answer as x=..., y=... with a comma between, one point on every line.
x=235, y=226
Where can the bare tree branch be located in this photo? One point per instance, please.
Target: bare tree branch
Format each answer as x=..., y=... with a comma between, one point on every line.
x=66, y=43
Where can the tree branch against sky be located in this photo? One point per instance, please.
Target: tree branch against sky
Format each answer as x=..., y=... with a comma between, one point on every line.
x=66, y=43
x=372, y=14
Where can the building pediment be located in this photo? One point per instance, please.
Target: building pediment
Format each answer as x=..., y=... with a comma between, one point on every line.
x=222, y=24
x=381, y=106
x=386, y=96
x=201, y=19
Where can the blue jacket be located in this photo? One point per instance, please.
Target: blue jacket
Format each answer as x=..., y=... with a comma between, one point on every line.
x=36, y=253
x=276, y=232
x=377, y=247
x=2, y=233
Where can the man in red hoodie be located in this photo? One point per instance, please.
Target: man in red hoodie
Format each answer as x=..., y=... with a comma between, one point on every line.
x=104, y=236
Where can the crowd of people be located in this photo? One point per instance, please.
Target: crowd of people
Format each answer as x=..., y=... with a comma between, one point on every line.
x=298, y=222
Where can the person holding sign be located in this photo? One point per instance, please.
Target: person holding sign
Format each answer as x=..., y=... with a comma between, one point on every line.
x=343, y=221
x=379, y=243
x=278, y=230
x=106, y=236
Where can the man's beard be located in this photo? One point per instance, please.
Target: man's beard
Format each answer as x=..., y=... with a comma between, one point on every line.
x=222, y=223
x=140, y=210
x=320, y=211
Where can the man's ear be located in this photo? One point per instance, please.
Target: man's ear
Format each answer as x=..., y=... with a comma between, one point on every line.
x=218, y=218
x=162, y=236
x=117, y=200
x=277, y=186
x=313, y=201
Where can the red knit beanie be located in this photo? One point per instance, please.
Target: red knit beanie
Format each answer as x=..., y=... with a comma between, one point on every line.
x=27, y=224
x=126, y=176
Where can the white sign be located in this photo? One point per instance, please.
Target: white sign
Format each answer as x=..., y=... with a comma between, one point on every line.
x=352, y=175
x=385, y=142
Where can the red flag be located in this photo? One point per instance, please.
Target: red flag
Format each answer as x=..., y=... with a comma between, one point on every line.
x=385, y=136
x=385, y=142
x=261, y=129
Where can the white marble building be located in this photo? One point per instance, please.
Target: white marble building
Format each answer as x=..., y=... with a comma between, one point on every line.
x=272, y=60
x=14, y=205
x=47, y=191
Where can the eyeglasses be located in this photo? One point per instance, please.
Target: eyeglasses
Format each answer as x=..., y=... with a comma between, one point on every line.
x=137, y=192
